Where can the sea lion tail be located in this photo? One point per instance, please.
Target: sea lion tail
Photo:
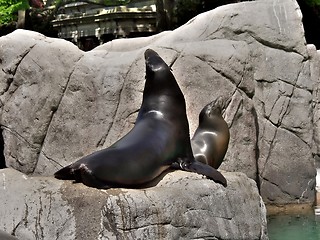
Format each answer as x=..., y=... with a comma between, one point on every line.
x=65, y=173
x=206, y=170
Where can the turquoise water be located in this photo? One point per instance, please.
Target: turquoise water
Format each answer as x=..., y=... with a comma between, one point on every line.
x=294, y=227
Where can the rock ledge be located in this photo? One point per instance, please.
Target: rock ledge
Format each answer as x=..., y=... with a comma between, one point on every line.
x=181, y=206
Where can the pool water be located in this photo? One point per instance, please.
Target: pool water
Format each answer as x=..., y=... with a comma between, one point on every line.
x=294, y=227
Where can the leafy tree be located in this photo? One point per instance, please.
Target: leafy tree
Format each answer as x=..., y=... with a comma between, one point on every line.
x=312, y=2
x=187, y=9
x=9, y=9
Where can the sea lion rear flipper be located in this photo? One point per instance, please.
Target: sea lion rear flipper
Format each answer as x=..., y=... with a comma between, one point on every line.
x=206, y=170
x=86, y=176
x=65, y=173
x=81, y=173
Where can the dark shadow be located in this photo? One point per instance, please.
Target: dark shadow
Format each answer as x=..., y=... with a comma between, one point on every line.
x=150, y=184
x=311, y=22
x=155, y=181
x=2, y=158
x=257, y=150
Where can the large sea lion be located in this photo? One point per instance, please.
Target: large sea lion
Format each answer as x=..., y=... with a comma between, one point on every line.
x=159, y=139
x=211, y=138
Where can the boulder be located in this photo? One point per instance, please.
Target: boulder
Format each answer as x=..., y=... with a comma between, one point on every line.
x=59, y=103
x=181, y=206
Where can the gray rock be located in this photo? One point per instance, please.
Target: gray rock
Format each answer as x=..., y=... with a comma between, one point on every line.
x=33, y=208
x=59, y=103
x=181, y=206
x=33, y=82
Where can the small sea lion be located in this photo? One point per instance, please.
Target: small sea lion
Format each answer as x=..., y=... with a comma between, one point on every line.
x=211, y=138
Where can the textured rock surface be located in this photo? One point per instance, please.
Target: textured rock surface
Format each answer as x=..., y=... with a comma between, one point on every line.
x=182, y=205
x=59, y=103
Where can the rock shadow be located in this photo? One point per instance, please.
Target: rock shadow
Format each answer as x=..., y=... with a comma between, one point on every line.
x=2, y=158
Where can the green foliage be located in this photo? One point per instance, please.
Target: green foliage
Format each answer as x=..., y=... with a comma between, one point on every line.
x=313, y=3
x=112, y=2
x=9, y=9
x=187, y=9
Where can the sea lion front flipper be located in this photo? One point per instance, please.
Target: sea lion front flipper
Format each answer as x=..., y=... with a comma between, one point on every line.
x=65, y=173
x=204, y=169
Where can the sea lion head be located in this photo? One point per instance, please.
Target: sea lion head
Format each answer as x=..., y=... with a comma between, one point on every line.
x=211, y=111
